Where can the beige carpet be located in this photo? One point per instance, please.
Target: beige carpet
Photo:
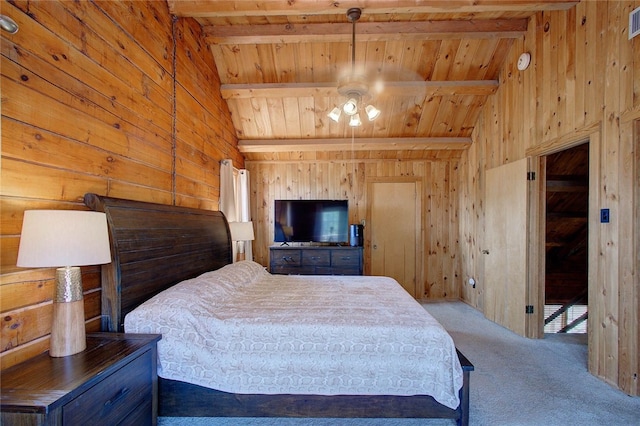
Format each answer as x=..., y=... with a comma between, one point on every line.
x=516, y=381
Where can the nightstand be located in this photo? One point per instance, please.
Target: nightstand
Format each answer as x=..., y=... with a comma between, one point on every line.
x=113, y=381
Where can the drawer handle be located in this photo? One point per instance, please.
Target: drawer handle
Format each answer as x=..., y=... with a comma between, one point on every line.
x=346, y=258
x=117, y=397
x=287, y=258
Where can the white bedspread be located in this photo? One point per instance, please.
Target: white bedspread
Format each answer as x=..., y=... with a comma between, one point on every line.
x=243, y=330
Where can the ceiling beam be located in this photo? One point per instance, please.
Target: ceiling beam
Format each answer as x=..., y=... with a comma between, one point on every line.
x=366, y=31
x=218, y=8
x=393, y=88
x=358, y=144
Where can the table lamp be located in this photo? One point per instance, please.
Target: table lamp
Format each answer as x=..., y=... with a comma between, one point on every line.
x=65, y=239
x=241, y=232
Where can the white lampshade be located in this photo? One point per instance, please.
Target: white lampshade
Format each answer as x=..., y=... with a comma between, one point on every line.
x=372, y=112
x=335, y=114
x=241, y=231
x=355, y=121
x=56, y=238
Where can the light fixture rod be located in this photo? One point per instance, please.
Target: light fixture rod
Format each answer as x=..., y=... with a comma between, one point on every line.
x=353, y=49
x=355, y=88
x=353, y=15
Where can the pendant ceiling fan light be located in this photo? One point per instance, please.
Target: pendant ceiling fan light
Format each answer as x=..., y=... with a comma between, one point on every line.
x=355, y=87
x=350, y=107
x=372, y=112
x=335, y=114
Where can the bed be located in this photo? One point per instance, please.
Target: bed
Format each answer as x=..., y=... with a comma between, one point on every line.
x=164, y=253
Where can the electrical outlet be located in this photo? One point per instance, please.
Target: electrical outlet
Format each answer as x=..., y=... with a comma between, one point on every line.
x=604, y=215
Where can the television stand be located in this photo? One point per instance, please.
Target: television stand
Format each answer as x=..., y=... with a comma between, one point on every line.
x=316, y=260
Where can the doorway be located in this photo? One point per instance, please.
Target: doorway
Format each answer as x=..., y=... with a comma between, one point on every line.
x=566, y=240
x=393, y=236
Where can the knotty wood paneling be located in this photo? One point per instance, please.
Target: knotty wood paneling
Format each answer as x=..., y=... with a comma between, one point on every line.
x=97, y=97
x=346, y=179
x=258, y=56
x=582, y=85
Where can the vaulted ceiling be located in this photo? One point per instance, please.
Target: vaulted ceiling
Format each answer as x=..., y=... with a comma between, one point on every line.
x=281, y=61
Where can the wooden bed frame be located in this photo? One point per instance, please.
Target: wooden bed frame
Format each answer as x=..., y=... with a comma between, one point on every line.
x=155, y=246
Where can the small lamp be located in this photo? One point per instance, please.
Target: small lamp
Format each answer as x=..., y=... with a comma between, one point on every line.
x=60, y=238
x=241, y=232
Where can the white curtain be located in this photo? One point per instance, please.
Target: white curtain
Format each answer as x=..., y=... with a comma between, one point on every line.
x=227, y=191
x=234, y=200
x=242, y=207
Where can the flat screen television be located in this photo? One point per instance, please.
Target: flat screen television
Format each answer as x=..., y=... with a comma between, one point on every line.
x=316, y=221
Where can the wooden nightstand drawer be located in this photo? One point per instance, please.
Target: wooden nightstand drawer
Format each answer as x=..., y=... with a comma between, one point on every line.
x=115, y=397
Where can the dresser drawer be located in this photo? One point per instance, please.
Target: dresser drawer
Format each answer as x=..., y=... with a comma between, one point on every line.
x=285, y=257
x=316, y=258
x=345, y=258
x=341, y=270
x=294, y=270
x=124, y=392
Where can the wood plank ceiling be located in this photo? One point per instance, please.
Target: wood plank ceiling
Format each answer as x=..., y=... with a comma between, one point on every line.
x=280, y=63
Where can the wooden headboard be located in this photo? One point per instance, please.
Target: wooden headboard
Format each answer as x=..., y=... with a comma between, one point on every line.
x=154, y=246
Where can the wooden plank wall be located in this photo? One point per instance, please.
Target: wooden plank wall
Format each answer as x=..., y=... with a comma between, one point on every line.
x=97, y=97
x=345, y=179
x=583, y=83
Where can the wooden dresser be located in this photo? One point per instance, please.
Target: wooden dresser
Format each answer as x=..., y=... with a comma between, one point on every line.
x=315, y=260
x=114, y=381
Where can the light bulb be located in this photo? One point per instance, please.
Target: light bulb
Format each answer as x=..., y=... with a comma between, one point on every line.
x=350, y=107
x=355, y=120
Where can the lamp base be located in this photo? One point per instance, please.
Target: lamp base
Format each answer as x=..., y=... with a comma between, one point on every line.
x=240, y=251
x=68, y=328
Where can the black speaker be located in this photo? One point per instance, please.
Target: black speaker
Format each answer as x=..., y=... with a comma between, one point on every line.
x=356, y=239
